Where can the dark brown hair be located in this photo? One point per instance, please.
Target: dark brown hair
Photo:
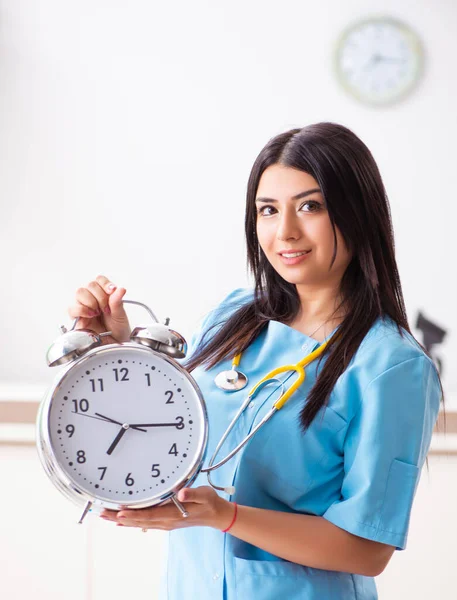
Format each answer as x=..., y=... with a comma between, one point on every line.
x=357, y=204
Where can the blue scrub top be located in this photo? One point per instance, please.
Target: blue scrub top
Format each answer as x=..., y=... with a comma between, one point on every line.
x=358, y=465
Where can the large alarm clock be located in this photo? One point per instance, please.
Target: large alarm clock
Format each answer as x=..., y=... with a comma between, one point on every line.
x=123, y=425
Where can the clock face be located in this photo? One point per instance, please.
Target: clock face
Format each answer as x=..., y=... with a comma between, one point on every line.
x=379, y=60
x=126, y=425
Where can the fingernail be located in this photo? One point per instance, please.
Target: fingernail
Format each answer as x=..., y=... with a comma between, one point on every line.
x=119, y=525
x=111, y=287
x=107, y=310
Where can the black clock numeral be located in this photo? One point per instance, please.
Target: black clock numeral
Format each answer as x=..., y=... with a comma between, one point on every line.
x=104, y=471
x=128, y=480
x=173, y=450
x=82, y=405
x=148, y=377
x=180, y=424
x=70, y=429
x=81, y=456
x=155, y=470
x=169, y=401
x=124, y=372
x=94, y=386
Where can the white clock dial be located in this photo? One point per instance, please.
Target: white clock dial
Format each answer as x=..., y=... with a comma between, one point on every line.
x=125, y=425
x=379, y=60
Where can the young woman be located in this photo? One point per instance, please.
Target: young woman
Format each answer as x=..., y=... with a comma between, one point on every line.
x=324, y=490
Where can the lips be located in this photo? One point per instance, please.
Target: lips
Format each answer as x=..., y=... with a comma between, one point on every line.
x=282, y=252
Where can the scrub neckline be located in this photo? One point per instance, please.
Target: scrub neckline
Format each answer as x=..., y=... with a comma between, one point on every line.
x=301, y=334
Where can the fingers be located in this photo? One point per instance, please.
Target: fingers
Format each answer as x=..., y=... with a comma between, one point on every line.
x=137, y=517
x=100, y=308
x=199, y=495
x=105, y=283
x=80, y=310
x=93, y=300
x=85, y=324
x=161, y=517
x=148, y=515
x=100, y=292
x=116, y=305
x=108, y=515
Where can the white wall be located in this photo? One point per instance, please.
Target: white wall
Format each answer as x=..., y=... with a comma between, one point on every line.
x=127, y=133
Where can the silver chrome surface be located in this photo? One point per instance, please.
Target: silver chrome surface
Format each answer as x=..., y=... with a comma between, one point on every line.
x=267, y=417
x=151, y=314
x=161, y=338
x=71, y=345
x=180, y=507
x=70, y=488
x=85, y=512
x=74, y=343
x=231, y=380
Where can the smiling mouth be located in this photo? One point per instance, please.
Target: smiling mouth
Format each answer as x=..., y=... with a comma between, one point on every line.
x=294, y=254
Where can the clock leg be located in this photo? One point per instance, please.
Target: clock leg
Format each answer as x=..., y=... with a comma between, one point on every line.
x=180, y=507
x=85, y=511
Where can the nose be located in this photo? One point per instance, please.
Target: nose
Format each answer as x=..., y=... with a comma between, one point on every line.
x=288, y=225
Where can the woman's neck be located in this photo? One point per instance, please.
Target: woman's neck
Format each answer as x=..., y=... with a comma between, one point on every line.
x=320, y=308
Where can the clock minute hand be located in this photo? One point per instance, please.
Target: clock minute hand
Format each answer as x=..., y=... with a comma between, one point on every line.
x=118, y=422
x=156, y=425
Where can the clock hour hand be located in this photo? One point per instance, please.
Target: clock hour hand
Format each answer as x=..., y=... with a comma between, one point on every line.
x=118, y=438
x=118, y=422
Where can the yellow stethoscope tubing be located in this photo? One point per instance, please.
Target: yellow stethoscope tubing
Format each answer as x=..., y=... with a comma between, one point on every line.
x=269, y=378
x=299, y=368
x=236, y=360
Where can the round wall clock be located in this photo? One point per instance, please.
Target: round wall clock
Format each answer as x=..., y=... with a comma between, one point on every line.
x=379, y=60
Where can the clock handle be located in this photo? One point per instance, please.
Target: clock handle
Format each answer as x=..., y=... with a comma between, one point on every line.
x=151, y=314
x=100, y=335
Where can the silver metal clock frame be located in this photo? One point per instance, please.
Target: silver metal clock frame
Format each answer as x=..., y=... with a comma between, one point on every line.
x=70, y=488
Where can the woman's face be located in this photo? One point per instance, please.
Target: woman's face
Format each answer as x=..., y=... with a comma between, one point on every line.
x=292, y=217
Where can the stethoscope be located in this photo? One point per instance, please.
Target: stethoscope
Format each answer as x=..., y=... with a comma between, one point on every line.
x=234, y=380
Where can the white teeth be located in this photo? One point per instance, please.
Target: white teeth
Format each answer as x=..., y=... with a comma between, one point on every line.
x=294, y=254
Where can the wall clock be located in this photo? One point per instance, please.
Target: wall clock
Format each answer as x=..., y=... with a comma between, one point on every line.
x=379, y=60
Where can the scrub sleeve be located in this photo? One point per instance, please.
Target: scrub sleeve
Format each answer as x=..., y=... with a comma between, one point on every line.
x=384, y=450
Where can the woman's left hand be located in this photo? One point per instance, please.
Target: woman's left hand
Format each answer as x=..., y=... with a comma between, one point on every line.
x=204, y=505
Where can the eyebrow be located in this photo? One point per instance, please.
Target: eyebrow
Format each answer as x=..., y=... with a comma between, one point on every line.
x=297, y=197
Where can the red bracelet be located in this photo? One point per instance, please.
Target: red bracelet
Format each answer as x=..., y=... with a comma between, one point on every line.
x=233, y=520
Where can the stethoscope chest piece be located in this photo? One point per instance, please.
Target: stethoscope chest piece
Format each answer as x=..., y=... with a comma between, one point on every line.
x=231, y=380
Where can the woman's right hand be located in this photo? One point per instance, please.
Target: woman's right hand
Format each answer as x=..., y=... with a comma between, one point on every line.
x=100, y=308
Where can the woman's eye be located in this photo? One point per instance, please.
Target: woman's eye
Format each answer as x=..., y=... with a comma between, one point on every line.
x=312, y=205
x=262, y=210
